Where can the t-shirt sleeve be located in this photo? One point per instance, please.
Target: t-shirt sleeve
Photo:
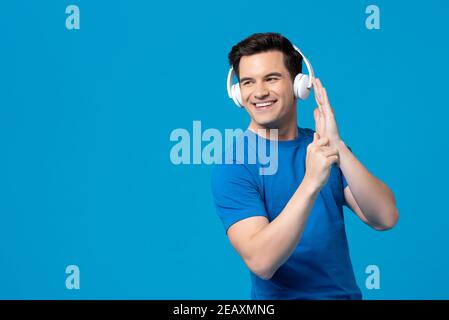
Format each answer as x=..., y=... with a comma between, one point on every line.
x=236, y=194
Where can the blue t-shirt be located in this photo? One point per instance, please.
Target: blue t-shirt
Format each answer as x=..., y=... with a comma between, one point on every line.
x=320, y=267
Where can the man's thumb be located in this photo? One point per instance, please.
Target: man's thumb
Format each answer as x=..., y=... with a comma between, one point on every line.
x=315, y=137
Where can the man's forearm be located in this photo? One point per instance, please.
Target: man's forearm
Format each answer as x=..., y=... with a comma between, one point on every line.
x=274, y=244
x=374, y=198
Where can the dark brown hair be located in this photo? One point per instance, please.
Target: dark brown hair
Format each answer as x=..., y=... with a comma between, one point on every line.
x=263, y=42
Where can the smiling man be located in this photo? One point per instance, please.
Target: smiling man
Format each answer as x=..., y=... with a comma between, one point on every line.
x=289, y=227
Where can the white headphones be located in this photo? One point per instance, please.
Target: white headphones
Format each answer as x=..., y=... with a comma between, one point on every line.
x=301, y=85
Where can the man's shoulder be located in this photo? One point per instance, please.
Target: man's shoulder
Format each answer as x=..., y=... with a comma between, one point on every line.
x=238, y=161
x=306, y=132
x=230, y=178
x=232, y=168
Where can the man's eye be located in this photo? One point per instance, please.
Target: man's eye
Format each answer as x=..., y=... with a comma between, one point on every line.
x=271, y=79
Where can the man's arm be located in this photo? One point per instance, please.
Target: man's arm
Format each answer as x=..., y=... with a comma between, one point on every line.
x=366, y=195
x=265, y=246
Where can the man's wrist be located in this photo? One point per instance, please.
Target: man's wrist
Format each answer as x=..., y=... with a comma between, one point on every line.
x=310, y=188
x=338, y=144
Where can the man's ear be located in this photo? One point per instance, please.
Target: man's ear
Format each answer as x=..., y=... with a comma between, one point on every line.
x=293, y=90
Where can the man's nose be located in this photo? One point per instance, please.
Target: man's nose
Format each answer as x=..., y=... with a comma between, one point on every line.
x=260, y=91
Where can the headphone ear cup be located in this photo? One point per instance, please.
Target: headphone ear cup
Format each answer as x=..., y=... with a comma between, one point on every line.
x=236, y=95
x=300, y=86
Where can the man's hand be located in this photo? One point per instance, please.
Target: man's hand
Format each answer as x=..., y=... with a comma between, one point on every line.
x=325, y=123
x=319, y=160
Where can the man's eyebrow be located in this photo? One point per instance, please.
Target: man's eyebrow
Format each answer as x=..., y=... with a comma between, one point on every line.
x=266, y=76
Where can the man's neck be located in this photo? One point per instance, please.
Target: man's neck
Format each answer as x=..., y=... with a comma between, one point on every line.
x=286, y=132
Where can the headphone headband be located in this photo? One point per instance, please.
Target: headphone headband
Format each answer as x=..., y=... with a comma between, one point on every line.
x=231, y=74
x=308, y=65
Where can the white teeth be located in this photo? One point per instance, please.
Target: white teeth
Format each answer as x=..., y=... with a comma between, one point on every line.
x=264, y=104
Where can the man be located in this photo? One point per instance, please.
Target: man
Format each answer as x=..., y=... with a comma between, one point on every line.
x=288, y=227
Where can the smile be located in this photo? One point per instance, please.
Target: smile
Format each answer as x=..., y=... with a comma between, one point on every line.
x=265, y=104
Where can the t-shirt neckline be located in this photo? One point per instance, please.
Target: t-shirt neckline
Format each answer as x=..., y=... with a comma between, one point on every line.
x=281, y=143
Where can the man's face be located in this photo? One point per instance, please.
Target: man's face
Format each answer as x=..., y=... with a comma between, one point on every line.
x=264, y=78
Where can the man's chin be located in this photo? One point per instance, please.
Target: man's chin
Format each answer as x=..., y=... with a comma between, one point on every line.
x=267, y=123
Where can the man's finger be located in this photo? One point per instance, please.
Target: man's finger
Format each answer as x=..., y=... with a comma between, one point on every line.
x=322, y=123
x=317, y=92
x=322, y=142
x=328, y=151
x=315, y=115
x=334, y=159
x=326, y=102
x=322, y=96
x=320, y=85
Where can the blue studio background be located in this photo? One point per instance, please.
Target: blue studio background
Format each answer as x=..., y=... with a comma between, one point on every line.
x=86, y=116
